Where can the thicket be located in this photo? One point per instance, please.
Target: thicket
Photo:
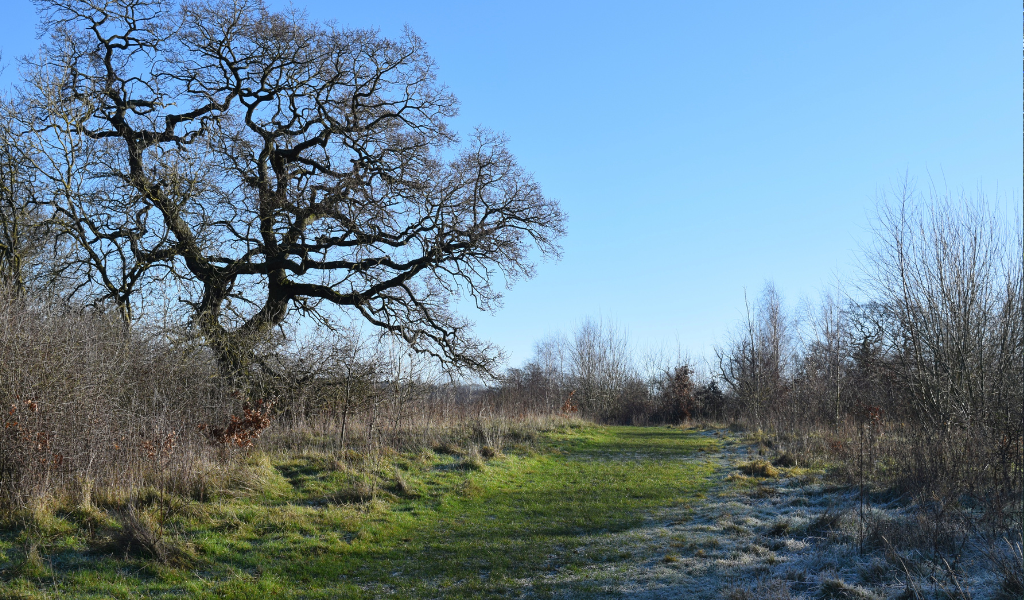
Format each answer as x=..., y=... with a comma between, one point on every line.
x=919, y=382
x=90, y=405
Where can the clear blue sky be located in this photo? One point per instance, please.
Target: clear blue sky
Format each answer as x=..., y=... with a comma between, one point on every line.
x=700, y=148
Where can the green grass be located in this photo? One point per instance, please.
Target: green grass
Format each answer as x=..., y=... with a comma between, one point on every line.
x=284, y=529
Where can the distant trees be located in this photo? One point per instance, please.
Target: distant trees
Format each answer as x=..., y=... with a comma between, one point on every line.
x=259, y=166
x=600, y=365
x=679, y=402
x=594, y=372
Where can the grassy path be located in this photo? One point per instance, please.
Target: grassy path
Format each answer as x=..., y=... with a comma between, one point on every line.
x=526, y=518
x=520, y=526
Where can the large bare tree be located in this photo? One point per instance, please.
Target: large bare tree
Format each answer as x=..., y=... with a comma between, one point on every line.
x=258, y=165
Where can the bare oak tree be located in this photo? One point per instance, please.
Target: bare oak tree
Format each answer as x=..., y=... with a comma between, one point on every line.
x=258, y=165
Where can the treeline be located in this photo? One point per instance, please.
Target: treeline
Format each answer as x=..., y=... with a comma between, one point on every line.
x=594, y=372
x=912, y=374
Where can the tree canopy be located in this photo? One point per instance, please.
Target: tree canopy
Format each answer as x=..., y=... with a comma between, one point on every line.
x=256, y=165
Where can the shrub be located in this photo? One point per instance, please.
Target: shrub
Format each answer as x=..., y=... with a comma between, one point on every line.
x=86, y=402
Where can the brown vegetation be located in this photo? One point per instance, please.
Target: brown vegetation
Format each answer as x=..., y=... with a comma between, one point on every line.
x=88, y=404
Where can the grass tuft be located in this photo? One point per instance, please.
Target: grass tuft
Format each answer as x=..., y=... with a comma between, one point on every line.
x=764, y=589
x=142, y=536
x=31, y=565
x=473, y=460
x=780, y=527
x=837, y=589
x=355, y=492
x=785, y=460
x=448, y=447
x=402, y=486
x=759, y=468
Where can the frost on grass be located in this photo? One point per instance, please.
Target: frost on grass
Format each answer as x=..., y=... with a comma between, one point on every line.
x=777, y=536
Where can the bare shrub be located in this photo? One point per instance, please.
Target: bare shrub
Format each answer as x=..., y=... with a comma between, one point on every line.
x=85, y=400
x=947, y=271
x=915, y=384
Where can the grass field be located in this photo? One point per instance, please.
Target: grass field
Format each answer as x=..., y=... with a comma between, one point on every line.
x=429, y=525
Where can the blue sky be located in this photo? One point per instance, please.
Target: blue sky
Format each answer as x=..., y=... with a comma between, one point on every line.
x=701, y=148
